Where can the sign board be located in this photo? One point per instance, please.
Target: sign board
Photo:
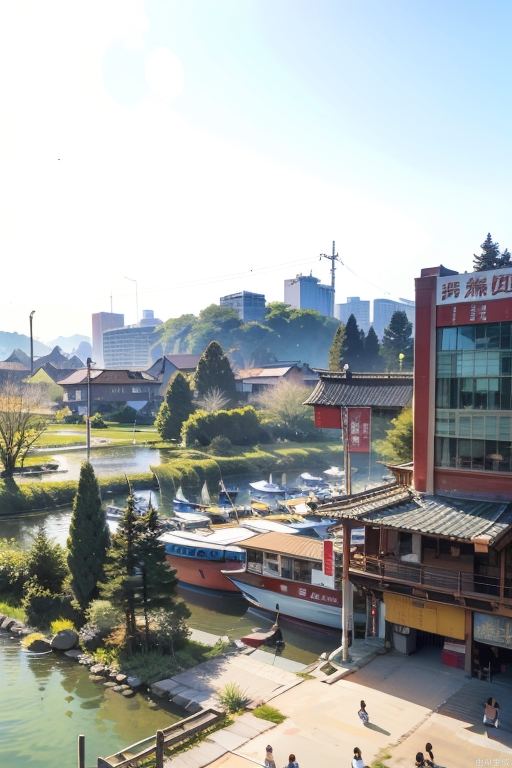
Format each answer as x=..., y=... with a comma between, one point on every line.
x=359, y=429
x=493, y=630
x=328, y=557
x=474, y=286
x=327, y=417
x=474, y=312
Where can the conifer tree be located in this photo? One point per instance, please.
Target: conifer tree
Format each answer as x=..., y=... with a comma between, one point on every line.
x=46, y=564
x=372, y=356
x=89, y=538
x=175, y=409
x=490, y=258
x=353, y=347
x=397, y=340
x=336, y=350
x=214, y=370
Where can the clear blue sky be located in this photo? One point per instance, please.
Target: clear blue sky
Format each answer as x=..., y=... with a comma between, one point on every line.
x=207, y=146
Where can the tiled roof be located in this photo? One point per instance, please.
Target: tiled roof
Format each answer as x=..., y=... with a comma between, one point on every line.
x=13, y=367
x=265, y=373
x=285, y=544
x=398, y=507
x=106, y=376
x=184, y=361
x=363, y=390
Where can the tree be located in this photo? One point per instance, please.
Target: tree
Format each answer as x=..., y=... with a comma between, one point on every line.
x=89, y=538
x=397, y=340
x=214, y=370
x=213, y=400
x=46, y=563
x=121, y=580
x=490, y=258
x=353, y=347
x=372, y=356
x=336, y=349
x=397, y=445
x=175, y=409
x=284, y=405
x=20, y=424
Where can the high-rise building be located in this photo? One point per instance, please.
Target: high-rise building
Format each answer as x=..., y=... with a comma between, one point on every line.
x=307, y=292
x=134, y=346
x=101, y=322
x=384, y=309
x=357, y=307
x=250, y=306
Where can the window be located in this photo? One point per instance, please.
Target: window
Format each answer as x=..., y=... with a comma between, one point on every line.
x=78, y=394
x=271, y=563
x=302, y=571
x=404, y=543
x=136, y=390
x=286, y=567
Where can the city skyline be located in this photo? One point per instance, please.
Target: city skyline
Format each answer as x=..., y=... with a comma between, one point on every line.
x=204, y=148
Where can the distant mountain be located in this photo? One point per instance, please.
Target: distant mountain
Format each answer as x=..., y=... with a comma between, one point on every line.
x=12, y=341
x=83, y=351
x=69, y=344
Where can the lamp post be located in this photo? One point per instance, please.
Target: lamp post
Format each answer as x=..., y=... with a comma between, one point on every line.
x=31, y=343
x=401, y=357
x=88, y=419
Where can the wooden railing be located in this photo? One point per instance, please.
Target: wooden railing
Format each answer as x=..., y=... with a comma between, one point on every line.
x=458, y=582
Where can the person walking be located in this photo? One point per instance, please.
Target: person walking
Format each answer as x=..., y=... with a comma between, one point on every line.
x=357, y=760
x=491, y=712
x=428, y=750
x=269, y=758
x=363, y=714
x=292, y=763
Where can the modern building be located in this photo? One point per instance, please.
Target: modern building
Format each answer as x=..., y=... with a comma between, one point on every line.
x=250, y=306
x=357, y=307
x=134, y=346
x=167, y=366
x=384, y=309
x=111, y=388
x=307, y=292
x=101, y=322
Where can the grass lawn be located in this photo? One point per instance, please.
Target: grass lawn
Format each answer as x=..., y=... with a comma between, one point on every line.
x=61, y=435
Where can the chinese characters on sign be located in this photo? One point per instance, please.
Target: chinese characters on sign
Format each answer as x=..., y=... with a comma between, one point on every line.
x=359, y=421
x=454, y=289
x=328, y=557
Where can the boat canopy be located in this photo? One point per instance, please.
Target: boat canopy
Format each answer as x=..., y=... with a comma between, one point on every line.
x=262, y=486
x=226, y=536
x=191, y=517
x=268, y=525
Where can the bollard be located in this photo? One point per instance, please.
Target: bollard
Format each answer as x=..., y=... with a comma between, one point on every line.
x=81, y=751
x=159, y=754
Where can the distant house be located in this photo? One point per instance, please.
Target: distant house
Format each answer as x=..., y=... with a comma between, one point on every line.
x=165, y=368
x=252, y=381
x=111, y=389
x=12, y=371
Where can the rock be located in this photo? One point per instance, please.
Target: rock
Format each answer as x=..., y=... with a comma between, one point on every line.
x=124, y=687
x=97, y=678
x=134, y=682
x=2, y=617
x=118, y=688
x=64, y=640
x=7, y=623
x=113, y=674
x=39, y=645
x=109, y=684
x=120, y=678
x=97, y=669
x=128, y=693
x=75, y=653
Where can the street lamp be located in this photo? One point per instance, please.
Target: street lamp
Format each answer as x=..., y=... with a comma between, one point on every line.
x=88, y=421
x=401, y=357
x=31, y=343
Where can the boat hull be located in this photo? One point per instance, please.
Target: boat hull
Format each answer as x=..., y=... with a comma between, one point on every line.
x=205, y=574
x=316, y=605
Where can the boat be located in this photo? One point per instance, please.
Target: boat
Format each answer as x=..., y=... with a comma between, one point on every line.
x=335, y=472
x=285, y=573
x=140, y=506
x=312, y=481
x=180, y=502
x=203, y=560
x=267, y=487
x=264, y=525
x=258, y=637
x=227, y=496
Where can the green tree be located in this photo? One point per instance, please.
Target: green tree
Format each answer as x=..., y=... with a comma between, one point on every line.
x=353, y=348
x=372, y=356
x=490, y=258
x=397, y=445
x=46, y=563
x=214, y=370
x=175, y=409
x=20, y=423
x=158, y=581
x=336, y=349
x=397, y=340
x=89, y=538
x=214, y=322
x=121, y=579
x=285, y=410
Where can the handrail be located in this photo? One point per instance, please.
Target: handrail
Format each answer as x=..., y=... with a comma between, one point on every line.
x=459, y=582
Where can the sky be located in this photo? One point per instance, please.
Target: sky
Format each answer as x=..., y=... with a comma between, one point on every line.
x=183, y=150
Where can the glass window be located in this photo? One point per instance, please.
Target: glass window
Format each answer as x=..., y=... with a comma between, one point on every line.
x=443, y=393
x=466, y=399
x=491, y=427
x=505, y=336
x=445, y=365
x=481, y=386
x=448, y=339
x=493, y=335
x=464, y=454
x=504, y=428
x=466, y=337
x=478, y=453
x=464, y=429
x=480, y=363
x=493, y=396
x=478, y=426
x=493, y=363
x=270, y=563
x=480, y=337
x=286, y=567
x=506, y=364
x=302, y=571
x=505, y=393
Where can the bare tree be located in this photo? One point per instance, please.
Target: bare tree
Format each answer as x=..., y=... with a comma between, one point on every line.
x=20, y=423
x=213, y=400
x=284, y=404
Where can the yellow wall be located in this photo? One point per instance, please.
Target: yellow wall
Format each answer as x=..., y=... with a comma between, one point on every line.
x=446, y=620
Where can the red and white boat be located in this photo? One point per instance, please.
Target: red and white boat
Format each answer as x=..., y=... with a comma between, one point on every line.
x=292, y=575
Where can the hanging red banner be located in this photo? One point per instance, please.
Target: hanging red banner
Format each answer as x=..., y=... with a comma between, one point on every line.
x=328, y=557
x=327, y=417
x=359, y=430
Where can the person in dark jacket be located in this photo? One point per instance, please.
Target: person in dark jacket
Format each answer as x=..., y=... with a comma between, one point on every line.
x=292, y=763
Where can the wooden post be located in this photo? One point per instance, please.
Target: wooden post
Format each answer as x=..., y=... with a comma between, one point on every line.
x=502, y=573
x=345, y=592
x=81, y=751
x=468, y=656
x=159, y=753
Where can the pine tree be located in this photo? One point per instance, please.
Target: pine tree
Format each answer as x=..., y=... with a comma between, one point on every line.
x=121, y=579
x=159, y=582
x=372, y=356
x=505, y=258
x=353, y=346
x=336, y=350
x=214, y=370
x=397, y=340
x=490, y=257
x=175, y=409
x=46, y=564
x=89, y=538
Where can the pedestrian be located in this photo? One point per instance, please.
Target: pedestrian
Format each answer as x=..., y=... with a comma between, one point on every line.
x=357, y=760
x=269, y=758
x=292, y=763
x=428, y=750
x=363, y=714
x=491, y=712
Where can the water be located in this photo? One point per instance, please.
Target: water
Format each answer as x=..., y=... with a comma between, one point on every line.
x=48, y=700
x=114, y=460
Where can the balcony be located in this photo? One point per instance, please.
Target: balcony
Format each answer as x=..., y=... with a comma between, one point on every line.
x=458, y=583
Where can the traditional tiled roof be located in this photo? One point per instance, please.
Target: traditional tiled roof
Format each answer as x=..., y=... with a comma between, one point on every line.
x=13, y=367
x=285, y=544
x=184, y=362
x=385, y=390
x=106, y=376
x=400, y=508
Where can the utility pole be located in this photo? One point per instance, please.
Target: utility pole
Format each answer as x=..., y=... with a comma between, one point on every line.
x=345, y=583
x=88, y=423
x=333, y=258
x=30, y=317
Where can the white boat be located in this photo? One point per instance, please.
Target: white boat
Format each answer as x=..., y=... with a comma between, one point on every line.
x=205, y=495
x=309, y=479
x=262, y=486
x=260, y=525
x=140, y=505
x=336, y=472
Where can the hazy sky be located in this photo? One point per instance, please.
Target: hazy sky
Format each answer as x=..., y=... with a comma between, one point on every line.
x=207, y=146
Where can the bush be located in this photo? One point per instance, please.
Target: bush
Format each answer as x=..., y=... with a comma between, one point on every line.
x=62, y=413
x=266, y=712
x=169, y=628
x=13, y=570
x=221, y=446
x=13, y=612
x=29, y=639
x=240, y=425
x=97, y=421
x=232, y=698
x=74, y=418
x=125, y=415
x=42, y=606
x=59, y=625
x=103, y=615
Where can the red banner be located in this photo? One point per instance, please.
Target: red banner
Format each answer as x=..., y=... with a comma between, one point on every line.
x=359, y=430
x=327, y=417
x=328, y=557
x=474, y=312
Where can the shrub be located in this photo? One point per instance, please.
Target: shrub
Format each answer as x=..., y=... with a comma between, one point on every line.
x=13, y=612
x=149, y=666
x=103, y=615
x=232, y=698
x=221, y=446
x=13, y=570
x=169, y=627
x=266, y=712
x=59, y=625
x=125, y=415
x=107, y=656
x=62, y=413
x=42, y=606
x=98, y=422
x=29, y=639
x=240, y=425
x=74, y=418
